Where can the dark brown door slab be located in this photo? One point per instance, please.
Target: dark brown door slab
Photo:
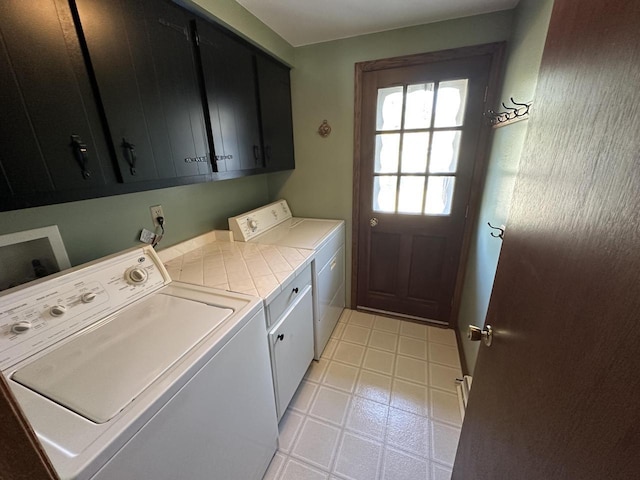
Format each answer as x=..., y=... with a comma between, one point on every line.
x=557, y=394
x=420, y=130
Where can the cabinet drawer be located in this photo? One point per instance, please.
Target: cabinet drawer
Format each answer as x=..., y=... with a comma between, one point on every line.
x=292, y=291
x=291, y=343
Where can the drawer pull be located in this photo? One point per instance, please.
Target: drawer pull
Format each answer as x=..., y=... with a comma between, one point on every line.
x=295, y=290
x=280, y=337
x=333, y=264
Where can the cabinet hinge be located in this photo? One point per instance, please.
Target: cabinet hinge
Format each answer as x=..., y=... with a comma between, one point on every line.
x=486, y=93
x=466, y=212
x=196, y=37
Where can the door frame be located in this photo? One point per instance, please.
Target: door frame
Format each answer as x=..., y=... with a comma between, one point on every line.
x=496, y=51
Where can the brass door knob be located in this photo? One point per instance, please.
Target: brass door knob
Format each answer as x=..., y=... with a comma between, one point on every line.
x=476, y=334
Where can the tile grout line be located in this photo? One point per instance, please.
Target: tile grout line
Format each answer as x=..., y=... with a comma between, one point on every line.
x=427, y=455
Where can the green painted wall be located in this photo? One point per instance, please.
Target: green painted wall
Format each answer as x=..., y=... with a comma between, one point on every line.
x=522, y=65
x=93, y=228
x=323, y=88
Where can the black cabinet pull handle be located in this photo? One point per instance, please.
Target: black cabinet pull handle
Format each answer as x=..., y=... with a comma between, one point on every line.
x=281, y=337
x=80, y=152
x=295, y=290
x=130, y=155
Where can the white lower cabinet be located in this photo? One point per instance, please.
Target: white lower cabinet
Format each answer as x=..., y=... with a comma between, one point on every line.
x=291, y=344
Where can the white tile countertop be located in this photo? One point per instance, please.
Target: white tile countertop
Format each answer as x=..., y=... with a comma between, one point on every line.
x=215, y=260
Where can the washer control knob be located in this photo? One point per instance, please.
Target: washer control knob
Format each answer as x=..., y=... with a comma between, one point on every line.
x=88, y=297
x=58, y=310
x=21, y=326
x=252, y=224
x=136, y=275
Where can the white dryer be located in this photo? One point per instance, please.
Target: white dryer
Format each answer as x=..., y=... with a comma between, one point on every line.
x=123, y=373
x=274, y=224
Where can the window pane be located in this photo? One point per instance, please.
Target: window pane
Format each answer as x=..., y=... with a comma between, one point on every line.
x=452, y=99
x=439, y=195
x=389, y=109
x=384, y=193
x=419, y=106
x=411, y=194
x=414, y=152
x=387, y=153
x=445, y=149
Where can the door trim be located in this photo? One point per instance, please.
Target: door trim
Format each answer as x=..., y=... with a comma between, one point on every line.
x=496, y=52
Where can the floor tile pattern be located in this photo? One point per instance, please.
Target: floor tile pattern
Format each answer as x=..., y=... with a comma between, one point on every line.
x=379, y=405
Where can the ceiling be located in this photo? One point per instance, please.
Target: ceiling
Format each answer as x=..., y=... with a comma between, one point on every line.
x=303, y=22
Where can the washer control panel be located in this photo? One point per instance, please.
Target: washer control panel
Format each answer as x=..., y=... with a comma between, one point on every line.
x=253, y=223
x=37, y=315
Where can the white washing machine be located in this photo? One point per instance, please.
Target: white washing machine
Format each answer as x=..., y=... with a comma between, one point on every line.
x=274, y=224
x=124, y=374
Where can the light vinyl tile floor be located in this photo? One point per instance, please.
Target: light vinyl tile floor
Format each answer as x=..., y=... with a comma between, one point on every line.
x=380, y=404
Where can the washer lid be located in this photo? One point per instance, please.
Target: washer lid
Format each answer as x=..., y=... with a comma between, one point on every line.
x=100, y=372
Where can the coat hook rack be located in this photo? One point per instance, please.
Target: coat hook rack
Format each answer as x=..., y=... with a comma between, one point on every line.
x=520, y=111
x=497, y=235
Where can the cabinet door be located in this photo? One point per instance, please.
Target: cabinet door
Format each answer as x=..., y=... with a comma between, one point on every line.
x=45, y=99
x=229, y=82
x=291, y=342
x=275, y=109
x=142, y=56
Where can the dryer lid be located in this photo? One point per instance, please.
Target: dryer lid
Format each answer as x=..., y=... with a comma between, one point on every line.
x=299, y=233
x=101, y=371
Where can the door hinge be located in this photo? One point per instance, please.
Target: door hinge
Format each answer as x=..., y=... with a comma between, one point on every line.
x=486, y=93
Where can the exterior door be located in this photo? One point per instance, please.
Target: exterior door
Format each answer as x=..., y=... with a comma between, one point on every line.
x=556, y=394
x=420, y=131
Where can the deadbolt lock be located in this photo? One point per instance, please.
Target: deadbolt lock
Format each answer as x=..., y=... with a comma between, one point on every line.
x=476, y=334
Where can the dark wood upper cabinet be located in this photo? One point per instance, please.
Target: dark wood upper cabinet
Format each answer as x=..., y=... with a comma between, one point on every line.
x=107, y=97
x=275, y=111
x=51, y=136
x=142, y=57
x=230, y=95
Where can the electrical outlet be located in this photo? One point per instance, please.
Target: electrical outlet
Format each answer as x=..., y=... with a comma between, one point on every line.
x=156, y=211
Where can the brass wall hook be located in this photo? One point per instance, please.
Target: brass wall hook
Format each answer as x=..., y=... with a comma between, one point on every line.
x=324, y=129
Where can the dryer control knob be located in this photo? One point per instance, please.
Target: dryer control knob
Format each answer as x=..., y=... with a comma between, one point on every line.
x=252, y=224
x=58, y=310
x=21, y=327
x=136, y=275
x=88, y=297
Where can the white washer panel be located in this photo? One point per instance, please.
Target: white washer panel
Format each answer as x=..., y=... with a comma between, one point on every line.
x=101, y=371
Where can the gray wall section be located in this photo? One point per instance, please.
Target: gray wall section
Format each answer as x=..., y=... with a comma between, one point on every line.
x=522, y=65
x=94, y=228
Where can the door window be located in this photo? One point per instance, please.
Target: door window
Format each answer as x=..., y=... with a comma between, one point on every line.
x=418, y=134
